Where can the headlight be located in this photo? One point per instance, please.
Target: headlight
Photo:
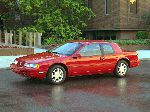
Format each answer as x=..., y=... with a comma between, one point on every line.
x=15, y=62
x=29, y=65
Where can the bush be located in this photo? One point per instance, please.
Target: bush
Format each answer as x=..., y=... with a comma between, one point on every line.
x=49, y=41
x=132, y=42
x=142, y=35
x=56, y=40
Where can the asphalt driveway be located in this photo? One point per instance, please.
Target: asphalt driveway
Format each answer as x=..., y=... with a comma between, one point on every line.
x=100, y=93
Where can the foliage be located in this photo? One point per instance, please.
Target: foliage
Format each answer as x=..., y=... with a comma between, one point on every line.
x=3, y=17
x=7, y=3
x=55, y=40
x=30, y=28
x=62, y=18
x=132, y=42
x=142, y=35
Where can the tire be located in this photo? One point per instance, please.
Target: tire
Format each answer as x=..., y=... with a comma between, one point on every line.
x=56, y=74
x=121, y=69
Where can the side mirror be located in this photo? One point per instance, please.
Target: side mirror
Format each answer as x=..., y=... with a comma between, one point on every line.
x=76, y=56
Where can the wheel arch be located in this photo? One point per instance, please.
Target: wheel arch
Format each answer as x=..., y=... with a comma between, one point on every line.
x=61, y=64
x=125, y=59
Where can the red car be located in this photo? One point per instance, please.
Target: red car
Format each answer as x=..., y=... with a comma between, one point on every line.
x=76, y=59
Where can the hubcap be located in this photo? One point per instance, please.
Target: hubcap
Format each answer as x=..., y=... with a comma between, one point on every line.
x=57, y=75
x=122, y=69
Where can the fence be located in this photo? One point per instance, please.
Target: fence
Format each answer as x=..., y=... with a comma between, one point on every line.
x=11, y=37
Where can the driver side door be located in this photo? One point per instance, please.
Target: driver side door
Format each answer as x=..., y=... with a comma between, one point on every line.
x=89, y=62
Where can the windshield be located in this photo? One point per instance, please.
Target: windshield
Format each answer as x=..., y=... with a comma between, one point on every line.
x=67, y=49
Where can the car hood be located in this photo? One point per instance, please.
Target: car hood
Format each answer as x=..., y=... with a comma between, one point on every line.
x=39, y=57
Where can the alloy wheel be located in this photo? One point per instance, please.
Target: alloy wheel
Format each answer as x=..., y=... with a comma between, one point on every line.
x=57, y=75
x=122, y=69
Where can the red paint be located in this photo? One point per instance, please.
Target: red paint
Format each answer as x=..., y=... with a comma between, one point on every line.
x=76, y=66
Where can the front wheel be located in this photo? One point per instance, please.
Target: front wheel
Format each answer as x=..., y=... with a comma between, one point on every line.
x=121, y=68
x=56, y=74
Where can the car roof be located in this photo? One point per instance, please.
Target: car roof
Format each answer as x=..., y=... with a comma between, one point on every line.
x=90, y=41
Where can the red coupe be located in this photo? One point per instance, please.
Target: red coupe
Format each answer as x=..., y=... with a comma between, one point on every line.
x=75, y=59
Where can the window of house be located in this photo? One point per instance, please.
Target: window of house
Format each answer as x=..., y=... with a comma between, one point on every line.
x=107, y=49
x=107, y=7
x=90, y=50
x=89, y=3
x=133, y=6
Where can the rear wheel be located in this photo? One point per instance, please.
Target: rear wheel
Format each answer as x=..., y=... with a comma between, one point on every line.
x=56, y=74
x=121, y=68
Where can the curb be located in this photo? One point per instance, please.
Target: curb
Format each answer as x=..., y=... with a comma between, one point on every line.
x=7, y=68
x=145, y=59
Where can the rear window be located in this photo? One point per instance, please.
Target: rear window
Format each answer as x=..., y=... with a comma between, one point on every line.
x=107, y=49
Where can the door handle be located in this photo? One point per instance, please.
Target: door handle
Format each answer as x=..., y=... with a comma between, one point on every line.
x=102, y=58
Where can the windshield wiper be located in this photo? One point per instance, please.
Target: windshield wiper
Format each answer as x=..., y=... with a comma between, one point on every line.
x=55, y=52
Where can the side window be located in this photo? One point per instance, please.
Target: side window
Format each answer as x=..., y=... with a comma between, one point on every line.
x=90, y=50
x=107, y=49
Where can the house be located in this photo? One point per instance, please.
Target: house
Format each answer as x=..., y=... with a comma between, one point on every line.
x=116, y=19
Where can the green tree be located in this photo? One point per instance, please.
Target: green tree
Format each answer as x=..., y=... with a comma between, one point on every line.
x=61, y=18
x=8, y=5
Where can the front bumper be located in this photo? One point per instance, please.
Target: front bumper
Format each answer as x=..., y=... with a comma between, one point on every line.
x=28, y=72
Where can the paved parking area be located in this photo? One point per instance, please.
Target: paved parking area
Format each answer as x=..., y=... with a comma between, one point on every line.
x=100, y=93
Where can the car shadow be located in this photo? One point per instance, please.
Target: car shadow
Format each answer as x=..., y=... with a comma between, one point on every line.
x=104, y=85
x=75, y=79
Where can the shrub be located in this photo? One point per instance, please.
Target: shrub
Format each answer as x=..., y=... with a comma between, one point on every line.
x=142, y=35
x=132, y=42
x=52, y=40
x=56, y=40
